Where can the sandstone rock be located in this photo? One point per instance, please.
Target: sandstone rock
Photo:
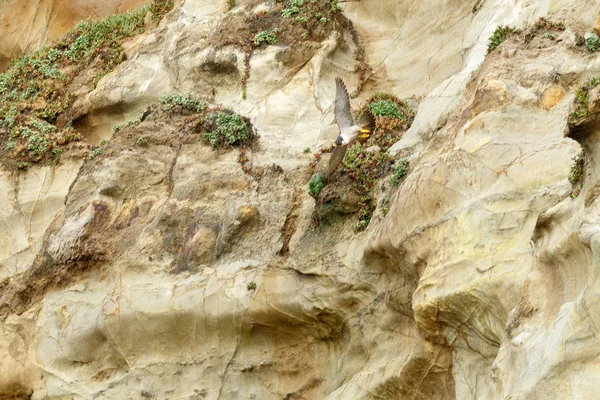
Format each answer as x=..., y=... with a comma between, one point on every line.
x=551, y=96
x=166, y=271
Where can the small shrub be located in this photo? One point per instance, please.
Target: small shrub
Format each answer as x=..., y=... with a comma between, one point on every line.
x=335, y=7
x=231, y=4
x=265, y=37
x=576, y=175
x=498, y=37
x=307, y=150
x=187, y=101
x=228, y=129
x=592, y=43
x=385, y=108
x=400, y=171
x=315, y=185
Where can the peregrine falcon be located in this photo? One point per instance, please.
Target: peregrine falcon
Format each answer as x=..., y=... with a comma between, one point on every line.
x=349, y=130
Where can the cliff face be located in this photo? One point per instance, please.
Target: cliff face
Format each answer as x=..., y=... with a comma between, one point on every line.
x=28, y=25
x=161, y=267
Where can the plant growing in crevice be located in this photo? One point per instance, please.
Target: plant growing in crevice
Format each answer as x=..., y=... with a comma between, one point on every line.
x=315, y=185
x=577, y=173
x=498, y=37
x=592, y=43
x=400, y=172
x=186, y=101
x=226, y=129
x=268, y=37
x=582, y=98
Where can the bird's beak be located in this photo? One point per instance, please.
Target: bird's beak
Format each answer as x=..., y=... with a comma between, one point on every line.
x=365, y=131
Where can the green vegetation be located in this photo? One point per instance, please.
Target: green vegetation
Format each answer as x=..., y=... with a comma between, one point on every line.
x=290, y=22
x=227, y=129
x=97, y=150
x=187, y=101
x=307, y=150
x=117, y=128
x=498, y=37
x=315, y=185
x=385, y=206
x=400, y=171
x=576, y=176
x=385, y=108
x=582, y=98
x=158, y=8
x=592, y=43
x=269, y=37
x=231, y=4
x=36, y=91
x=293, y=8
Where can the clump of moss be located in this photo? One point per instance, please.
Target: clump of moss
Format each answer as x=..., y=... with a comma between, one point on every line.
x=35, y=92
x=315, y=185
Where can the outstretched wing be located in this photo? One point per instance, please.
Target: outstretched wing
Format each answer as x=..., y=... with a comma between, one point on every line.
x=343, y=112
x=336, y=159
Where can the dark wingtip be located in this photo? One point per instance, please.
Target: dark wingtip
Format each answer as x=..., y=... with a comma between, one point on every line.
x=367, y=120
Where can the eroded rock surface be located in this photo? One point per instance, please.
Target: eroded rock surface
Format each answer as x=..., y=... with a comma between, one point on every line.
x=159, y=268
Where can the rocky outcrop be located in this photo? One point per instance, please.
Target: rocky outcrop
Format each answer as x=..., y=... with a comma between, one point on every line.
x=159, y=267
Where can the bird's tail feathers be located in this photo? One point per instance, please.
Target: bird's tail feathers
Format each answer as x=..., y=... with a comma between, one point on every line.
x=366, y=122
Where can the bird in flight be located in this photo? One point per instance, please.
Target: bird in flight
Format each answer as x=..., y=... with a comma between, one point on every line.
x=350, y=131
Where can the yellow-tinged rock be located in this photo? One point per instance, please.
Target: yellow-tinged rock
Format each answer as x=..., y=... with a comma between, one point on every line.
x=551, y=97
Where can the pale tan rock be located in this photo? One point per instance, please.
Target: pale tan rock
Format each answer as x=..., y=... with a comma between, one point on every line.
x=164, y=271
